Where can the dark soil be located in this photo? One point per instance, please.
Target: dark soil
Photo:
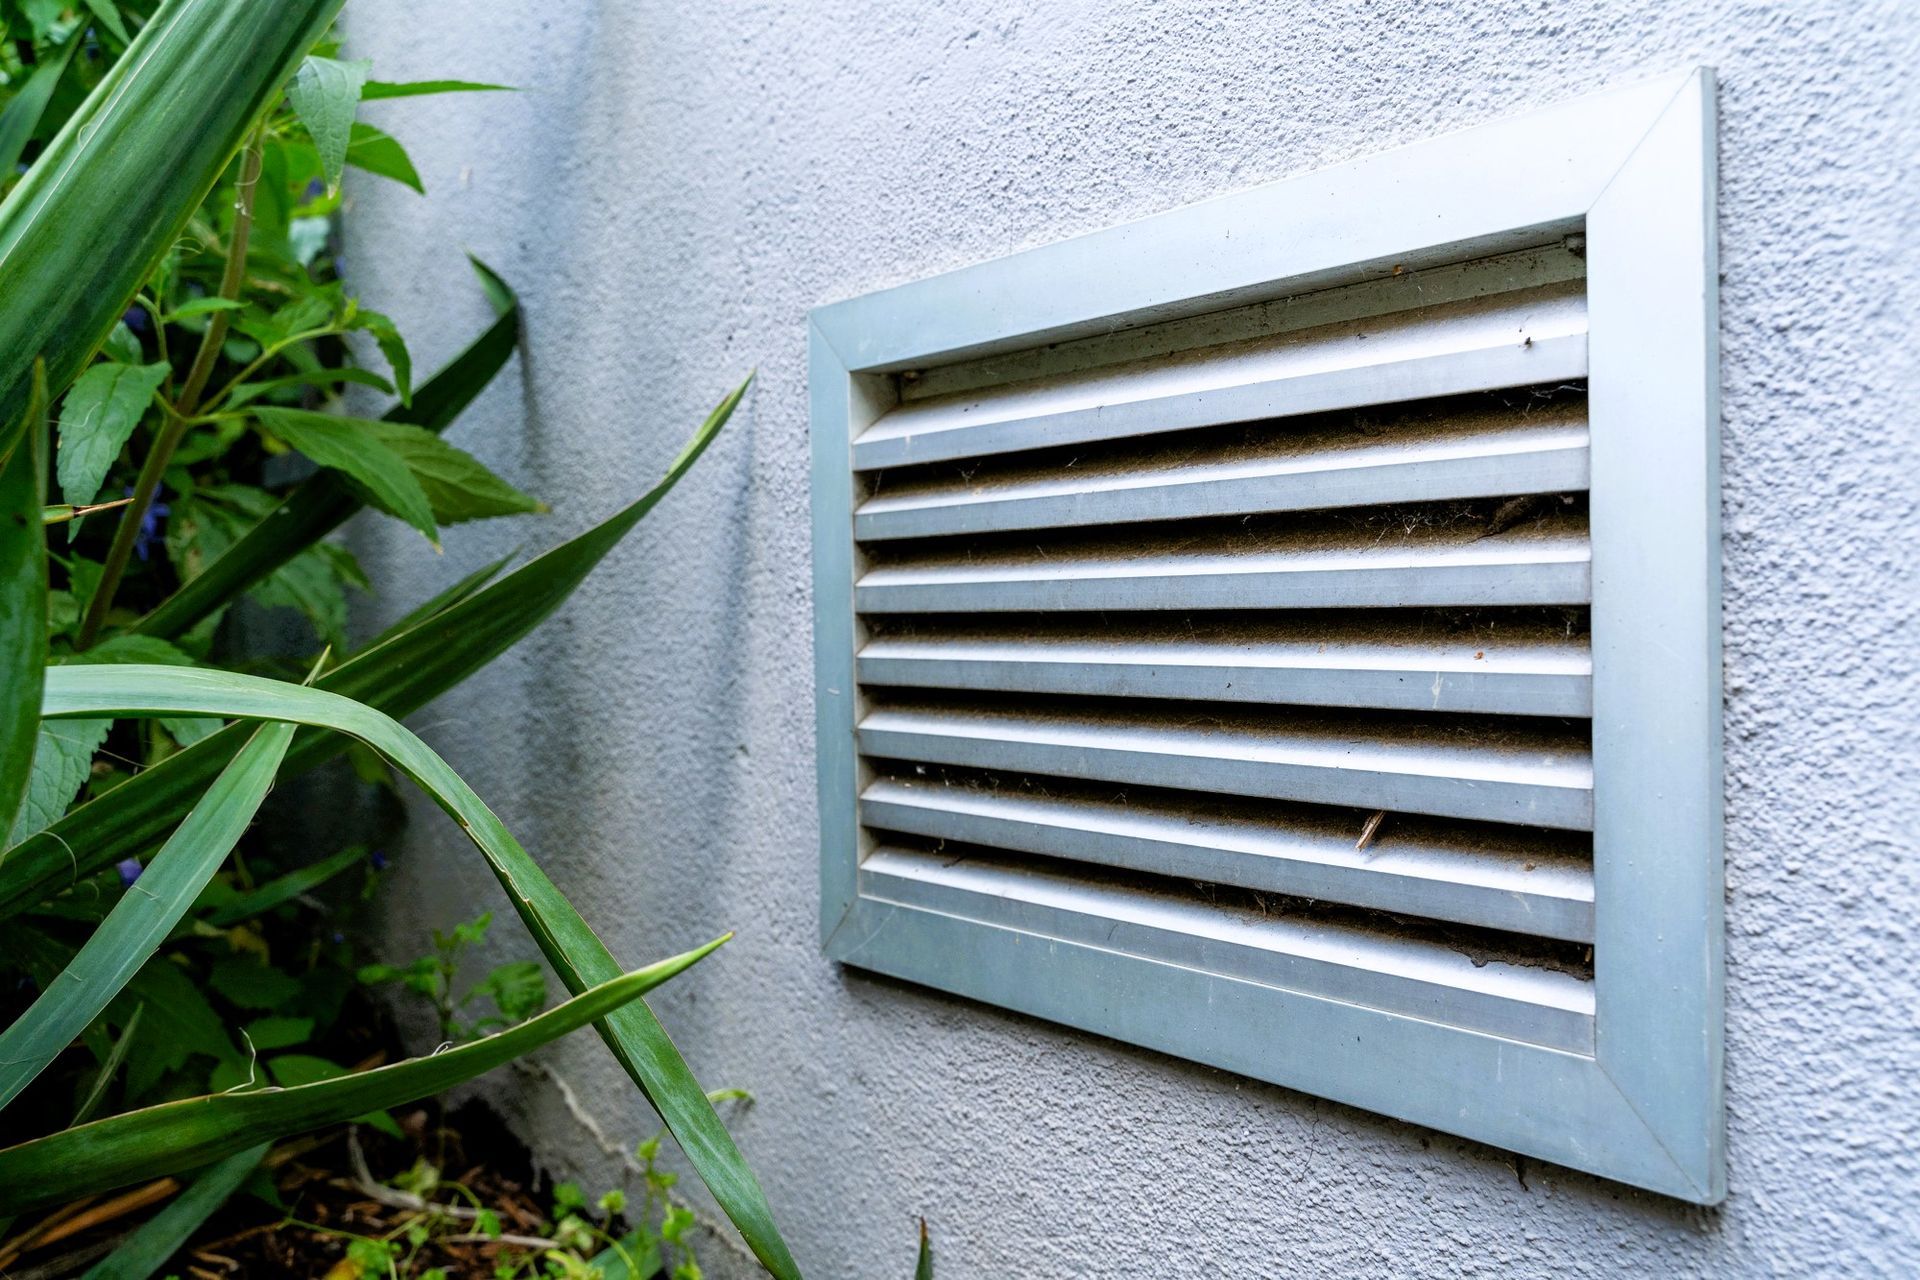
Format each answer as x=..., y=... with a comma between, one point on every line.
x=321, y=1204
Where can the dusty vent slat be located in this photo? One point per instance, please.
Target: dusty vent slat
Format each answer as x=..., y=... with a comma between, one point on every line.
x=1527, y=883
x=1400, y=974
x=1473, y=456
x=1537, y=777
x=1395, y=668
x=1534, y=336
x=1545, y=563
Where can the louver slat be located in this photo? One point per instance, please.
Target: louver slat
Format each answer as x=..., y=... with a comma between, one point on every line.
x=1360, y=966
x=1531, y=337
x=1509, y=455
x=1544, y=564
x=1532, y=777
x=1355, y=668
x=1518, y=882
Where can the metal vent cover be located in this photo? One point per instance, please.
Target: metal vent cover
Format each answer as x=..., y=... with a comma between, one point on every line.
x=1300, y=662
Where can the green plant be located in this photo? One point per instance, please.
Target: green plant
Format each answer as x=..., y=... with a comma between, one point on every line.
x=171, y=322
x=517, y=989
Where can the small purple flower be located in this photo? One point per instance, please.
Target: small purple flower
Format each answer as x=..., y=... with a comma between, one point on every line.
x=129, y=869
x=338, y=937
x=137, y=320
x=378, y=859
x=315, y=189
x=150, y=522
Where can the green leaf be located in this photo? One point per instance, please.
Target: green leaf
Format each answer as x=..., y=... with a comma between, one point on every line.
x=161, y=1236
x=108, y=14
x=178, y=1024
x=175, y=1136
x=325, y=93
x=387, y=335
x=399, y=673
x=923, y=1269
x=573, y=950
x=62, y=761
x=635, y=1256
x=322, y=503
x=250, y=983
x=114, y=188
x=24, y=110
x=379, y=153
x=247, y=392
x=23, y=595
x=123, y=345
x=344, y=445
x=201, y=306
x=284, y=889
x=458, y=486
x=109, y=1068
x=100, y=413
x=375, y=90
x=517, y=989
x=265, y=1034
x=143, y=918
x=126, y=649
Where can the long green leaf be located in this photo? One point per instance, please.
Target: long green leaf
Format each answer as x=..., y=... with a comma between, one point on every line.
x=375, y=90
x=576, y=953
x=114, y=188
x=398, y=674
x=323, y=502
x=176, y=1136
x=283, y=889
x=160, y=1237
x=23, y=596
x=29, y=104
x=143, y=917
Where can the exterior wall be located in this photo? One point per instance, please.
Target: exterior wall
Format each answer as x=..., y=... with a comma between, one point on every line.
x=678, y=184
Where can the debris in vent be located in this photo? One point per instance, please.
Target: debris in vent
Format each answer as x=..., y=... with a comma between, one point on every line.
x=1368, y=832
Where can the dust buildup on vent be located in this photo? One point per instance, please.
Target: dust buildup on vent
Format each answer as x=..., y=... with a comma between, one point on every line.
x=1480, y=946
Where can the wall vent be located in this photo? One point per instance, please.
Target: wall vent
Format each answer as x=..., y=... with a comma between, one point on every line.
x=1302, y=664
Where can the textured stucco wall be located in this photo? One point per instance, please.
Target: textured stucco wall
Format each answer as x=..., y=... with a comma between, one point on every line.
x=679, y=183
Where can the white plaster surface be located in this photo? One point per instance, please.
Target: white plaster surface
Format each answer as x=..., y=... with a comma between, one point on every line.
x=679, y=183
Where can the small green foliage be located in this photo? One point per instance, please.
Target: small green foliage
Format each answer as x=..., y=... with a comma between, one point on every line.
x=517, y=990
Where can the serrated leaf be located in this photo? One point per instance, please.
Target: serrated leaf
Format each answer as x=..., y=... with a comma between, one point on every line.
x=386, y=335
x=375, y=90
x=344, y=445
x=457, y=484
x=380, y=153
x=123, y=345
x=323, y=502
x=100, y=413
x=325, y=94
x=62, y=761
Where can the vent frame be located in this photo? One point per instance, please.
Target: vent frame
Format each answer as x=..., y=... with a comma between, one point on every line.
x=1633, y=171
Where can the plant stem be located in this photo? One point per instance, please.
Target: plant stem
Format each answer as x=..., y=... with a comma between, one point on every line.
x=174, y=428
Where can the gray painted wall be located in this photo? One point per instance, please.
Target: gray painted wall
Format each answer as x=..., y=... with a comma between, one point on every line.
x=677, y=186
